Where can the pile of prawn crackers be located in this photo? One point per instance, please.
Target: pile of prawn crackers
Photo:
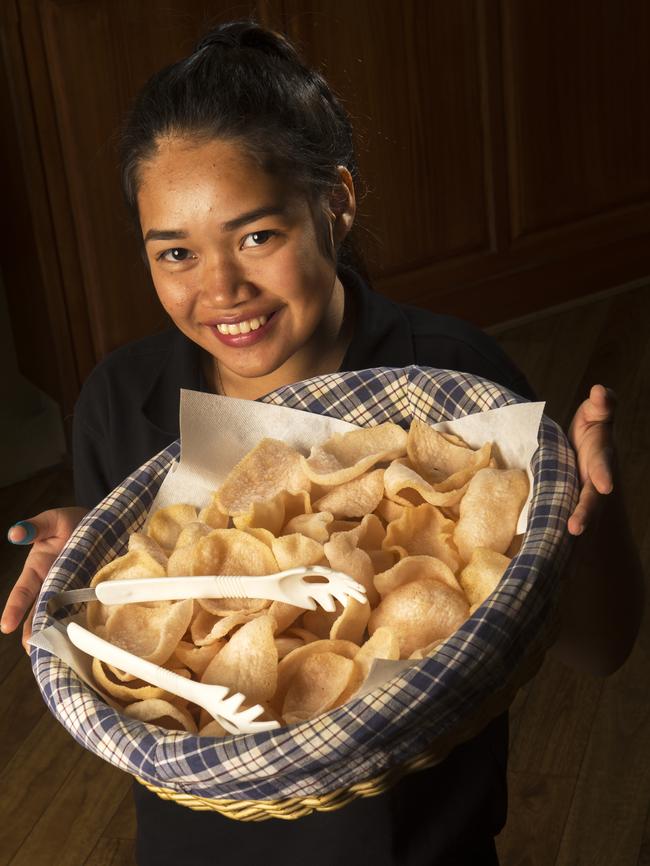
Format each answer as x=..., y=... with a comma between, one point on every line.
x=424, y=522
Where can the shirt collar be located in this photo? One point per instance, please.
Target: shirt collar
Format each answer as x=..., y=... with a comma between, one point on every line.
x=382, y=334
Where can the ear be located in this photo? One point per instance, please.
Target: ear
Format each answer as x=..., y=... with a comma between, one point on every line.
x=342, y=206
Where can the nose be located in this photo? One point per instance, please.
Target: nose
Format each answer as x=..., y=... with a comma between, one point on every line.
x=224, y=282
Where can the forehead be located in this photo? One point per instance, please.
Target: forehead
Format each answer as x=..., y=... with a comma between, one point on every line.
x=184, y=179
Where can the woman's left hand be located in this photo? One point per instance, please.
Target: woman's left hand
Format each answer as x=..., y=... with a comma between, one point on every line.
x=591, y=434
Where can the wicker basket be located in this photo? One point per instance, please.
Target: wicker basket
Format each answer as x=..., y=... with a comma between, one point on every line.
x=364, y=747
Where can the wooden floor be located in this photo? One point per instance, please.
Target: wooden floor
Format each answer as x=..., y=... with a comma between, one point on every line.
x=580, y=747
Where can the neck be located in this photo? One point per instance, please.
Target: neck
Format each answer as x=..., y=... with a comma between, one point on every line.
x=323, y=354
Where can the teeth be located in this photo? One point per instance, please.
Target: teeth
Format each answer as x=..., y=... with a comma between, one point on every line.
x=243, y=327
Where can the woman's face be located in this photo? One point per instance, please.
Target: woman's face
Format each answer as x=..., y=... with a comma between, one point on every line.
x=235, y=261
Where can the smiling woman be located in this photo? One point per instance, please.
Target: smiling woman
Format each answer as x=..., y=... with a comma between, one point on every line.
x=239, y=171
x=251, y=285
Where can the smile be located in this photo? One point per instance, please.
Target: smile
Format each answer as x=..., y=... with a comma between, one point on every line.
x=243, y=327
x=246, y=332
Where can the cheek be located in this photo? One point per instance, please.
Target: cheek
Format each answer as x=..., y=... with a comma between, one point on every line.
x=315, y=277
x=175, y=296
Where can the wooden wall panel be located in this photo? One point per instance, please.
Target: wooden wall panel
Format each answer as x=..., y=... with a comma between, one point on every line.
x=20, y=266
x=35, y=227
x=504, y=147
x=409, y=74
x=99, y=53
x=577, y=85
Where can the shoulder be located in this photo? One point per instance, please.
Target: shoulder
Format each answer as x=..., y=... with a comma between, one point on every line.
x=130, y=367
x=450, y=343
x=125, y=375
x=146, y=351
x=456, y=341
x=455, y=344
x=128, y=410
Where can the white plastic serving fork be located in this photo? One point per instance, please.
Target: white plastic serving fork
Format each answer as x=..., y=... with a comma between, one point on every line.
x=304, y=586
x=224, y=707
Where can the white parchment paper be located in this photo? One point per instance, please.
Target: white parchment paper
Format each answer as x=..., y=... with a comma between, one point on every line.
x=216, y=432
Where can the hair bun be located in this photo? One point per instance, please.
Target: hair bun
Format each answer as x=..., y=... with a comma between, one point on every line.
x=248, y=34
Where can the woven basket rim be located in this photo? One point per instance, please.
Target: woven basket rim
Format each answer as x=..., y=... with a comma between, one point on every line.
x=448, y=666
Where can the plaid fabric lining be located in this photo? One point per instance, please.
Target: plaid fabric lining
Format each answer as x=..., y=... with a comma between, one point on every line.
x=388, y=726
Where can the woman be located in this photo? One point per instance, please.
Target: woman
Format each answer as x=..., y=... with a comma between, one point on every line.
x=238, y=166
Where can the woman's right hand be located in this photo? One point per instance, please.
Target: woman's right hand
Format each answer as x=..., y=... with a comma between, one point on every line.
x=47, y=533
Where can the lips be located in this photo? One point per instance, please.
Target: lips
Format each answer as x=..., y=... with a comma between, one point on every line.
x=242, y=327
x=243, y=337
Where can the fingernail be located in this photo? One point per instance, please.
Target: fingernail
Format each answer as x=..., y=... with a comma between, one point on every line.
x=29, y=529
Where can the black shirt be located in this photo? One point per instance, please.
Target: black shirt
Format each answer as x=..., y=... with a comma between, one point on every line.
x=128, y=409
x=127, y=412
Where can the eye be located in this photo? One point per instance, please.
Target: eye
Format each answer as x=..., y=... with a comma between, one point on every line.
x=257, y=238
x=175, y=254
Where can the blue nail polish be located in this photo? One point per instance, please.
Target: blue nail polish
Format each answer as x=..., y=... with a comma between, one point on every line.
x=30, y=532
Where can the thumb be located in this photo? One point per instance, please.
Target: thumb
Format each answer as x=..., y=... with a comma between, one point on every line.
x=23, y=532
x=42, y=526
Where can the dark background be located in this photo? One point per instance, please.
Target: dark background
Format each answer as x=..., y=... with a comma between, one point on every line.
x=504, y=146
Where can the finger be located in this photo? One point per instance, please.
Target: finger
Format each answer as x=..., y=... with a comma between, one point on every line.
x=43, y=525
x=602, y=395
x=601, y=404
x=587, y=505
x=23, y=595
x=23, y=532
x=27, y=629
x=598, y=408
x=600, y=471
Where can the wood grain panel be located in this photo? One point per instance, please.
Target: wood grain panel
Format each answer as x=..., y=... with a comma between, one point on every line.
x=68, y=301
x=122, y=824
x=607, y=798
x=35, y=244
x=617, y=800
x=112, y=852
x=22, y=709
x=488, y=289
x=92, y=790
x=541, y=802
x=559, y=710
x=31, y=781
x=644, y=851
x=579, y=773
x=21, y=273
x=504, y=148
x=410, y=76
x=575, y=76
x=99, y=53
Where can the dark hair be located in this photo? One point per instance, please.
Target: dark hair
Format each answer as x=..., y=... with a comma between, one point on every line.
x=247, y=84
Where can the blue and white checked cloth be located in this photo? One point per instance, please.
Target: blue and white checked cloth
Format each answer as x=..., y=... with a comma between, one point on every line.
x=396, y=722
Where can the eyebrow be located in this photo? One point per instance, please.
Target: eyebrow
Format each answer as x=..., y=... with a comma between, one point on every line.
x=163, y=235
x=252, y=215
x=229, y=226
